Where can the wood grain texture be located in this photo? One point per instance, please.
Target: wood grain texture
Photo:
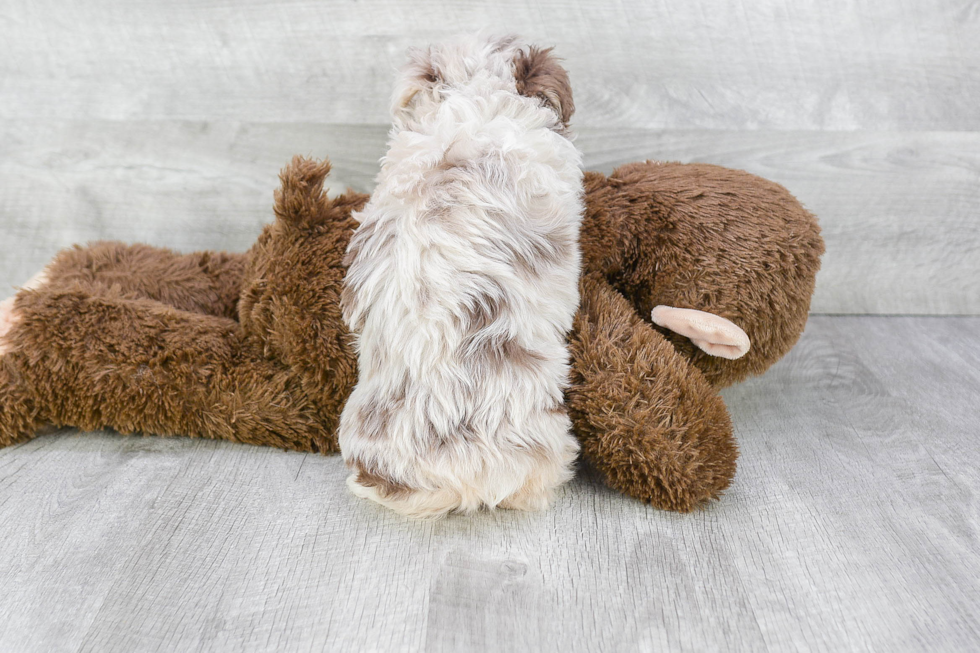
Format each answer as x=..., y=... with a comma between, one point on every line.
x=698, y=64
x=853, y=524
x=186, y=185
x=900, y=210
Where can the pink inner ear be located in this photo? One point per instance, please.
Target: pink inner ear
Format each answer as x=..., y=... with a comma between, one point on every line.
x=712, y=334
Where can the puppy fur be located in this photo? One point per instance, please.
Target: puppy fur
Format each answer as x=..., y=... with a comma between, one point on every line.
x=463, y=284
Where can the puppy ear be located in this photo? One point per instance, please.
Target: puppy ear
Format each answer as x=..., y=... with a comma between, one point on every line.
x=538, y=74
x=416, y=76
x=501, y=42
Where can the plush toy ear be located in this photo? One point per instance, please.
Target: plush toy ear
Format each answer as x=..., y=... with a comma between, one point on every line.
x=417, y=76
x=712, y=334
x=539, y=75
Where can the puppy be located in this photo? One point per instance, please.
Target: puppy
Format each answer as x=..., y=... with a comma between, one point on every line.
x=462, y=285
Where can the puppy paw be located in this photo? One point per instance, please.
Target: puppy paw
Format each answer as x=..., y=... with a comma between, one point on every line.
x=535, y=496
x=9, y=317
x=527, y=502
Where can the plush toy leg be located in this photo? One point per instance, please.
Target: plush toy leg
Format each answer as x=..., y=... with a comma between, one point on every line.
x=290, y=297
x=201, y=282
x=135, y=365
x=646, y=418
x=20, y=418
x=101, y=344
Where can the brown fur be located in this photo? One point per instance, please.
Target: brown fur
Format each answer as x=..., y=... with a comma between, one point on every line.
x=538, y=74
x=633, y=394
x=369, y=475
x=141, y=339
x=709, y=238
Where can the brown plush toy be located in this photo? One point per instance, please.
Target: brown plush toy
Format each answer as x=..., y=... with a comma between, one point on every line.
x=252, y=348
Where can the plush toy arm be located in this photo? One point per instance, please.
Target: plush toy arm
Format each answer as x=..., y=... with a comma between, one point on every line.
x=105, y=360
x=201, y=282
x=646, y=418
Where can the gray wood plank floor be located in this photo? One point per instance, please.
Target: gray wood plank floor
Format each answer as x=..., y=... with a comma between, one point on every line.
x=853, y=524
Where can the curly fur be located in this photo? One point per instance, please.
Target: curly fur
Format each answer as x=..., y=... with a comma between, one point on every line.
x=462, y=286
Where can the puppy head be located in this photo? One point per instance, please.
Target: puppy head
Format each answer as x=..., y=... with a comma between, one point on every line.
x=485, y=62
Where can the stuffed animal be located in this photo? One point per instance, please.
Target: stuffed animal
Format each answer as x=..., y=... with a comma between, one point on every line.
x=678, y=261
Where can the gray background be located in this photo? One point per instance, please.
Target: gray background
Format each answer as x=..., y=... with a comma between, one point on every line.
x=853, y=521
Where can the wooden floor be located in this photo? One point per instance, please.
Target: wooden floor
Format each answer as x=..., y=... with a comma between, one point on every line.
x=853, y=524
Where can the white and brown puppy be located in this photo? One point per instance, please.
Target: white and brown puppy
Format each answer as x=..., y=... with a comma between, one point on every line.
x=462, y=285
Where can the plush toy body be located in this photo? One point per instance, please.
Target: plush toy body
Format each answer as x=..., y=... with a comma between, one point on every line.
x=252, y=348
